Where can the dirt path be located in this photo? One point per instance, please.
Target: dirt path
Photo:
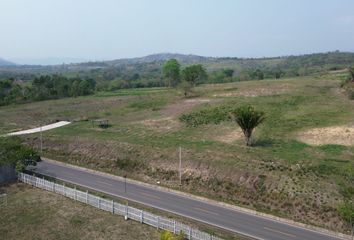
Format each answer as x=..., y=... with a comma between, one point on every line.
x=42, y=128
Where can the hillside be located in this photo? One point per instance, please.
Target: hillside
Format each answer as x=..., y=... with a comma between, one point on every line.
x=301, y=165
x=4, y=62
x=149, y=68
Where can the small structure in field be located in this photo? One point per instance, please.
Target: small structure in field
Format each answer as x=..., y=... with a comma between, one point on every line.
x=102, y=123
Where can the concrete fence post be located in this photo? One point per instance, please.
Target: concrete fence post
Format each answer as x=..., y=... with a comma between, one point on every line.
x=86, y=197
x=190, y=233
x=75, y=194
x=64, y=191
x=113, y=206
x=99, y=202
x=157, y=222
x=174, y=227
x=126, y=212
x=141, y=216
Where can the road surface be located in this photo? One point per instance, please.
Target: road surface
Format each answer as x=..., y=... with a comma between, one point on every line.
x=254, y=226
x=39, y=129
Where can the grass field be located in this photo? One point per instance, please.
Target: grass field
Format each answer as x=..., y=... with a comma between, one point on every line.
x=288, y=172
x=37, y=214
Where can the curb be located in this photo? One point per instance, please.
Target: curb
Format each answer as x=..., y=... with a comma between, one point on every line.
x=214, y=202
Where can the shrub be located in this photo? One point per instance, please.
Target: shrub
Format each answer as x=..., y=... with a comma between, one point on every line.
x=208, y=115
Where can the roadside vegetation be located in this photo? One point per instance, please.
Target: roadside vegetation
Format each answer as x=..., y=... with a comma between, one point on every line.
x=300, y=165
x=13, y=153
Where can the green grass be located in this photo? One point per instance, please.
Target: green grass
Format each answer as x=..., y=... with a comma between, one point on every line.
x=302, y=181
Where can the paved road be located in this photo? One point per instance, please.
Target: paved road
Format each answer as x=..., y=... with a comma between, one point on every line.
x=236, y=221
x=39, y=129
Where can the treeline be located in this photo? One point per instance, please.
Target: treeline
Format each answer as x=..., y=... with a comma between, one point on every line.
x=44, y=88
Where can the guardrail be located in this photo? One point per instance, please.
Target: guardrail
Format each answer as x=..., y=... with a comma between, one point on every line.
x=117, y=208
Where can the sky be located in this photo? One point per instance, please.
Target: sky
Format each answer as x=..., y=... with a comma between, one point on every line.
x=48, y=31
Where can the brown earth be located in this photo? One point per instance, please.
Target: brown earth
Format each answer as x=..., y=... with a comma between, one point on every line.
x=341, y=135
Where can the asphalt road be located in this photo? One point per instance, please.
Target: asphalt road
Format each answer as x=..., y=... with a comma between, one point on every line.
x=214, y=214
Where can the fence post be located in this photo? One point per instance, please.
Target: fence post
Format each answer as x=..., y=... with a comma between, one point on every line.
x=86, y=197
x=43, y=184
x=141, y=216
x=113, y=206
x=126, y=212
x=190, y=233
x=174, y=227
x=157, y=224
x=75, y=197
x=64, y=189
x=99, y=202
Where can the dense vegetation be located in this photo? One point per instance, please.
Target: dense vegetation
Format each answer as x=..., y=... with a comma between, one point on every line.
x=12, y=152
x=148, y=71
x=348, y=83
x=44, y=88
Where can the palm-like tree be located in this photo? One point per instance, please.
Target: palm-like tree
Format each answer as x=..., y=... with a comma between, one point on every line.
x=248, y=119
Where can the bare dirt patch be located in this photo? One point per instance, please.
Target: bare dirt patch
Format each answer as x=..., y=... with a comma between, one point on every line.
x=162, y=124
x=257, y=91
x=229, y=136
x=174, y=110
x=341, y=135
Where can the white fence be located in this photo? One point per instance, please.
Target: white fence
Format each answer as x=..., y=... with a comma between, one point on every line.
x=117, y=208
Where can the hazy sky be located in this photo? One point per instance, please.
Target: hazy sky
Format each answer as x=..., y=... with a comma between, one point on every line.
x=110, y=29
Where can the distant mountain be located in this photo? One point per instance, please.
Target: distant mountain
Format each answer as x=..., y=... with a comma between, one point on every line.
x=183, y=58
x=4, y=62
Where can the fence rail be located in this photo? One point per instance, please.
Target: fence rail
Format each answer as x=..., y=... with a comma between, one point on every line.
x=117, y=208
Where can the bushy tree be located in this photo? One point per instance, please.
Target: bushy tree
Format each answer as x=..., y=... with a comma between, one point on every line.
x=351, y=72
x=12, y=152
x=194, y=74
x=171, y=72
x=248, y=119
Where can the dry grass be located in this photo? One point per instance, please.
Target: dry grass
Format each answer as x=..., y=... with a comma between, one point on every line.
x=36, y=214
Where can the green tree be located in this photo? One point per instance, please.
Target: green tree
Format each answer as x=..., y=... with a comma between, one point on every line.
x=171, y=72
x=228, y=72
x=84, y=88
x=194, y=74
x=12, y=152
x=351, y=72
x=248, y=119
x=186, y=87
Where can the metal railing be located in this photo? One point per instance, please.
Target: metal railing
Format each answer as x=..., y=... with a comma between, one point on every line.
x=117, y=208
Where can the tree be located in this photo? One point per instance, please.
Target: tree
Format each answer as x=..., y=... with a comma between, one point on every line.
x=351, y=72
x=12, y=152
x=248, y=119
x=228, y=72
x=186, y=87
x=194, y=74
x=171, y=72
